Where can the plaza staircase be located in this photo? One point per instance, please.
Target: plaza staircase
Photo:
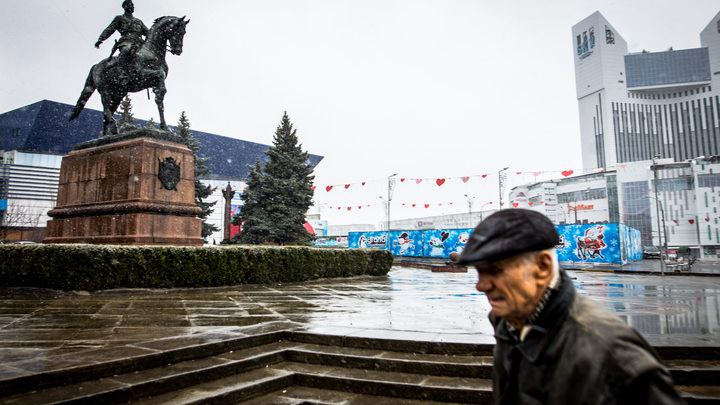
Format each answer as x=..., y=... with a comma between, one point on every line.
x=290, y=367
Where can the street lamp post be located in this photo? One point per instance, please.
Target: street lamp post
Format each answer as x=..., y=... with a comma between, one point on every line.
x=657, y=213
x=391, y=184
x=470, y=201
x=501, y=180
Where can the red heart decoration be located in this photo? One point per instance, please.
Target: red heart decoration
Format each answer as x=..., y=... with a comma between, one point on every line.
x=518, y=172
x=339, y=207
x=427, y=205
x=359, y=207
x=692, y=221
x=245, y=188
x=450, y=203
x=328, y=188
x=401, y=180
x=515, y=205
x=313, y=187
x=542, y=202
x=707, y=219
x=675, y=220
x=440, y=182
x=623, y=165
x=414, y=205
x=347, y=186
x=484, y=175
x=363, y=183
x=439, y=204
x=465, y=179
x=403, y=204
x=349, y=208
x=537, y=173
x=566, y=172
x=502, y=203
x=418, y=181
x=530, y=203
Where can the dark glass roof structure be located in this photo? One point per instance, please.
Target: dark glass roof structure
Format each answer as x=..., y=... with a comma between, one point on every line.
x=667, y=68
x=43, y=127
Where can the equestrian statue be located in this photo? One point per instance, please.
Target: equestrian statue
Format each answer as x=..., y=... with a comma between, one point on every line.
x=140, y=64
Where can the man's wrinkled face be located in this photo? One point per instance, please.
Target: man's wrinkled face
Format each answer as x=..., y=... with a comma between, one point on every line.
x=513, y=287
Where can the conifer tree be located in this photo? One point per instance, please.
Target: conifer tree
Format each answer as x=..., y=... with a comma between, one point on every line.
x=279, y=194
x=127, y=120
x=253, y=217
x=202, y=191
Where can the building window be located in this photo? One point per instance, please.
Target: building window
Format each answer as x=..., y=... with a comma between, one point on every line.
x=709, y=180
x=676, y=184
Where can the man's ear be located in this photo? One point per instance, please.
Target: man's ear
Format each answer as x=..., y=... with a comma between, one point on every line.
x=544, y=266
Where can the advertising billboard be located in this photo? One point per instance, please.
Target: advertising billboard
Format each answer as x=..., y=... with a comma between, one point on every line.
x=590, y=243
x=442, y=242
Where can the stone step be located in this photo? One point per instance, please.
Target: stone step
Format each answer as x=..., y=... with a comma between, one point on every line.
x=382, y=360
x=694, y=394
x=388, y=383
x=228, y=390
x=133, y=385
x=130, y=361
x=297, y=395
x=694, y=372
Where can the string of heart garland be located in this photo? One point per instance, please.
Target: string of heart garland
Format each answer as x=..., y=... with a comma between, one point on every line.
x=440, y=180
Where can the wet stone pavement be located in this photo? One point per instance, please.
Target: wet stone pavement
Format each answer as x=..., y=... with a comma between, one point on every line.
x=42, y=330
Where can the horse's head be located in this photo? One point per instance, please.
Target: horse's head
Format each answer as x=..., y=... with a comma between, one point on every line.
x=170, y=29
x=176, y=31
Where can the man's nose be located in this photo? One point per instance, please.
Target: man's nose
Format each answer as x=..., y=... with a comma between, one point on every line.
x=484, y=283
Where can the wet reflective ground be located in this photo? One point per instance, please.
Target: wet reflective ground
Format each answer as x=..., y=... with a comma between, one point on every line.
x=43, y=330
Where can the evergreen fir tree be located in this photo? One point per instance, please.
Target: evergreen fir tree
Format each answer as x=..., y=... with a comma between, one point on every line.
x=127, y=120
x=279, y=194
x=253, y=217
x=202, y=191
x=150, y=123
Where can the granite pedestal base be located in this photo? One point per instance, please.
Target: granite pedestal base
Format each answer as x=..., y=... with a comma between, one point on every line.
x=126, y=193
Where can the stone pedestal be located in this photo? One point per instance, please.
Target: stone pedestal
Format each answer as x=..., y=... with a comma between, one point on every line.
x=136, y=191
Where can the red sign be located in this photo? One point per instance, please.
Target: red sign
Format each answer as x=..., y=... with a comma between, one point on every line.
x=581, y=207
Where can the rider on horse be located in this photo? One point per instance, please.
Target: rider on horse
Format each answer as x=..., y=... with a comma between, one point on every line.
x=131, y=29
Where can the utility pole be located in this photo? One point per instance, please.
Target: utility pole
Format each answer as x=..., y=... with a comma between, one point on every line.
x=469, y=201
x=657, y=213
x=391, y=185
x=501, y=181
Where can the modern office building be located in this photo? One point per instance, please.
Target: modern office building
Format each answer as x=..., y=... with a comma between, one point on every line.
x=34, y=138
x=635, y=106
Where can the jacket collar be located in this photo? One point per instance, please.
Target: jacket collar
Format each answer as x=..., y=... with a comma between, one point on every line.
x=544, y=324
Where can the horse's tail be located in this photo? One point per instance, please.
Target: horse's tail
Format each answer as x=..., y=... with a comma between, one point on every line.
x=84, y=96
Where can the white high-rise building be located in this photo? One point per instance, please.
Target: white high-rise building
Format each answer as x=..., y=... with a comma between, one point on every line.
x=633, y=107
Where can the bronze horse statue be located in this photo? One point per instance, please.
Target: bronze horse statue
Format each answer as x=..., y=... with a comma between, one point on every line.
x=114, y=81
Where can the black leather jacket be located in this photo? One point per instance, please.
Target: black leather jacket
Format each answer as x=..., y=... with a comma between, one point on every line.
x=577, y=352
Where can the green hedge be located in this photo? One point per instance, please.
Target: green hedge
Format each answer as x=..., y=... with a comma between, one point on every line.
x=98, y=267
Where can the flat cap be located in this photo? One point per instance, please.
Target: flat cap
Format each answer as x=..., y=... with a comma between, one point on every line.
x=507, y=233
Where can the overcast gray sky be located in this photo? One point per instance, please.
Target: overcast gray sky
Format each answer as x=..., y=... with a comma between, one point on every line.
x=426, y=89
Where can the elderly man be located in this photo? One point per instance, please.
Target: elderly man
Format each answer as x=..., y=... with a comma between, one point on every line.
x=553, y=345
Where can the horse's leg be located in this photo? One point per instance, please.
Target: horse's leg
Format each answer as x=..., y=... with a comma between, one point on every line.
x=109, y=106
x=114, y=104
x=160, y=91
